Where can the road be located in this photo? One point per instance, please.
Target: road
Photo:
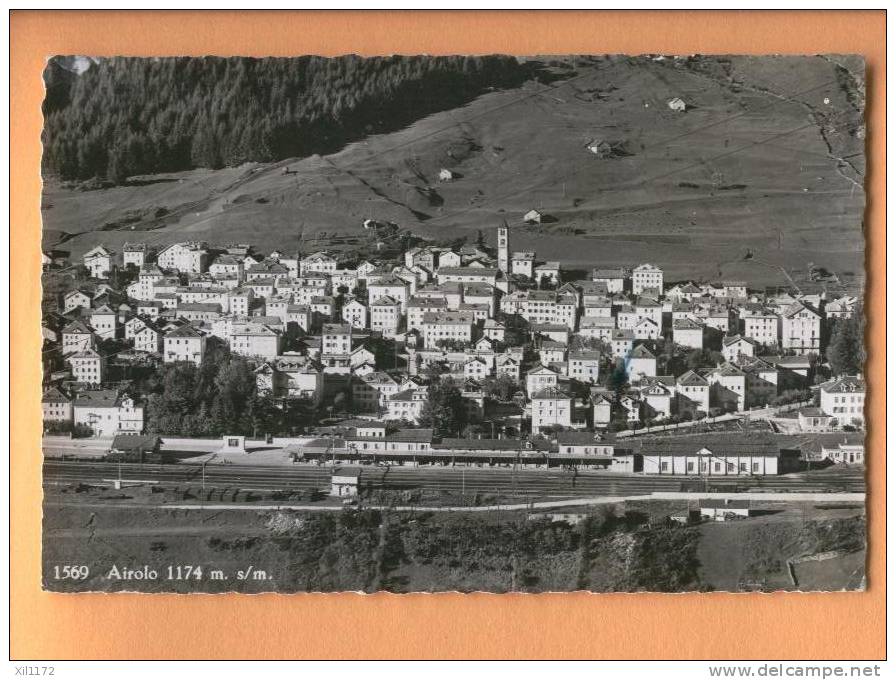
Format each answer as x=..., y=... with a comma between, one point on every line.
x=541, y=483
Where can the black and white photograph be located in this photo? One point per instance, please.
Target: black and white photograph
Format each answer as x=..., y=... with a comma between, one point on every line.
x=470, y=323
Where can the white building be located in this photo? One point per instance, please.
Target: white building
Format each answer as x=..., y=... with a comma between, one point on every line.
x=551, y=406
x=134, y=254
x=255, y=340
x=354, y=313
x=844, y=399
x=87, y=367
x=613, y=278
x=385, y=316
x=107, y=413
x=801, y=328
x=641, y=362
x=77, y=336
x=693, y=394
x=184, y=344
x=98, y=261
x=441, y=326
x=646, y=277
x=687, y=333
x=760, y=325
x=735, y=346
x=190, y=257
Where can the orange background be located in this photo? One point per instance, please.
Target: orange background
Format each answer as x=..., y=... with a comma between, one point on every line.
x=713, y=626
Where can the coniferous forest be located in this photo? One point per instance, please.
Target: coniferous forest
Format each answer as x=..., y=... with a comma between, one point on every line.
x=130, y=116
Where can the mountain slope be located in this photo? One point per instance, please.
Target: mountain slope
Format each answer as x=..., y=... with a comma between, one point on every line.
x=764, y=168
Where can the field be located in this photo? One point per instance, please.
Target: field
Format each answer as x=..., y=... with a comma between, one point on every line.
x=760, y=176
x=622, y=547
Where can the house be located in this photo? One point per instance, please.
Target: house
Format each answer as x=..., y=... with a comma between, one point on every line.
x=724, y=456
x=762, y=380
x=77, y=336
x=844, y=399
x=533, y=217
x=344, y=482
x=551, y=406
x=418, y=306
x=323, y=306
x=107, y=412
x=760, y=325
x=621, y=343
x=189, y=257
x=446, y=175
x=319, y=262
x=547, y=272
x=480, y=294
x=640, y=362
x=715, y=317
x=598, y=328
x=602, y=410
x=614, y=279
x=354, y=313
x=369, y=391
x=583, y=444
x=448, y=259
x=657, y=395
x=476, y=369
x=406, y=405
x=541, y=378
x=483, y=275
x=184, y=344
x=240, y=301
x=727, y=387
x=98, y=261
x=813, y=419
x=148, y=338
x=336, y=339
x=290, y=376
x=850, y=454
x=256, y=340
x=522, y=263
x=444, y=326
x=135, y=254
x=227, y=266
x=494, y=330
x=87, y=366
x=646, y=329
x=841, y=308
x=550, y=331
x=646, y=277
x=134, y=325
x=735, y=289
x=693, y=394
x=385, y=316
x=199, y=311
x=75, y=299
x=735, y=346
x=584, y=366
x=57, y=407
x=551, y=352
x=267, y=270
x=801, y=328
x=687, y=333
x=630, y=404
x=507, y=365
x=677, y=104
x=390, y=287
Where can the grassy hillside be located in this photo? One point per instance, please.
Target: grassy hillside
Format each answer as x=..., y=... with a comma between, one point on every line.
x=766, y=163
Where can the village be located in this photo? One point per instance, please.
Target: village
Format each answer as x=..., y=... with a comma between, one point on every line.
x=453, y=354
